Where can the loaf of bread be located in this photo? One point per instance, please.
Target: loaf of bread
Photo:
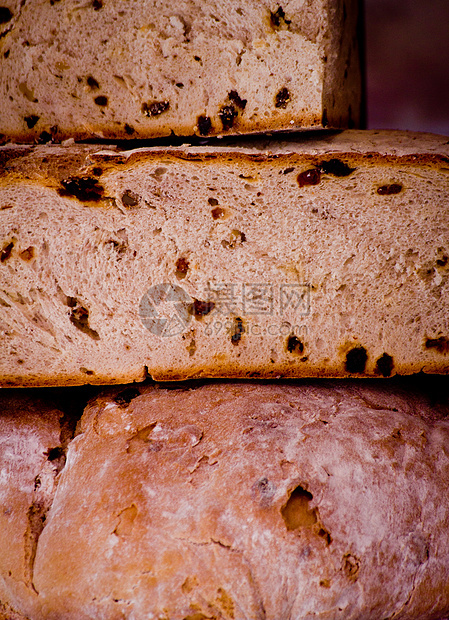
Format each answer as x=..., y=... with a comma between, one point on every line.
x=246, y=502
x=31, y=456
x=322, y=257
x=117, y=69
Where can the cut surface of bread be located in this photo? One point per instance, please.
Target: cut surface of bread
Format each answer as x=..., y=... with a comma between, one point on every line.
x=244, y=501
x=117, y=69
x=319, y=257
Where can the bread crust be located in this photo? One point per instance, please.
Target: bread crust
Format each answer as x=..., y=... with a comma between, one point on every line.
x=315, y=218
x=237, y=501
x=31, y=457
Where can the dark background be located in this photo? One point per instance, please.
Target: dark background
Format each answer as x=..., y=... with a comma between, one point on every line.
x=407, y=64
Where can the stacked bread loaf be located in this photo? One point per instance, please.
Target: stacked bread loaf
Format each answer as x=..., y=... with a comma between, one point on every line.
x=245, y=274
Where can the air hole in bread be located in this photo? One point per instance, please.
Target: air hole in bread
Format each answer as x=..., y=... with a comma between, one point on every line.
x=356, y=360
x=324, y=534
x=296, y=512
x=55, y=453
x=440, y=344
x=44, y=137
x=130, y=199
x=263, y=492
x=143, y=435
x=277, y=18
x=158, y=173
x=126, y=521
x=86, y=371
x=27, y=92
x=92, y=82
x=204, y=125
x=426, y=272
x=226, y=603
x=27, y=254
x=236, y=238
x=142, y=441
x=192, y=348
x=212, y=201
x=36, y=517
x=129, y=130
x=79, y=317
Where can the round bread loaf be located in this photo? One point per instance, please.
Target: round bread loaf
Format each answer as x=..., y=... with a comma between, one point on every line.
x=244, y=501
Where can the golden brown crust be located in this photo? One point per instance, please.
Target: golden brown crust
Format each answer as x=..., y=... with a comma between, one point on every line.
x=31, y=457
x=236, y=501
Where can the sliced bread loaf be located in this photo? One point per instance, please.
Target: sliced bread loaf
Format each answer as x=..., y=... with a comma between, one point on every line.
x=321, y=257
x=119, y=69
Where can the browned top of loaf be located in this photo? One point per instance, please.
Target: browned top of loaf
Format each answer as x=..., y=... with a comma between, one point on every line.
x=237, y=501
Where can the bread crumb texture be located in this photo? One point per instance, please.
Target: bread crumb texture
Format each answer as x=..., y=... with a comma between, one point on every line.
x=180, y=67
x=235, y=501
x=317, y=257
